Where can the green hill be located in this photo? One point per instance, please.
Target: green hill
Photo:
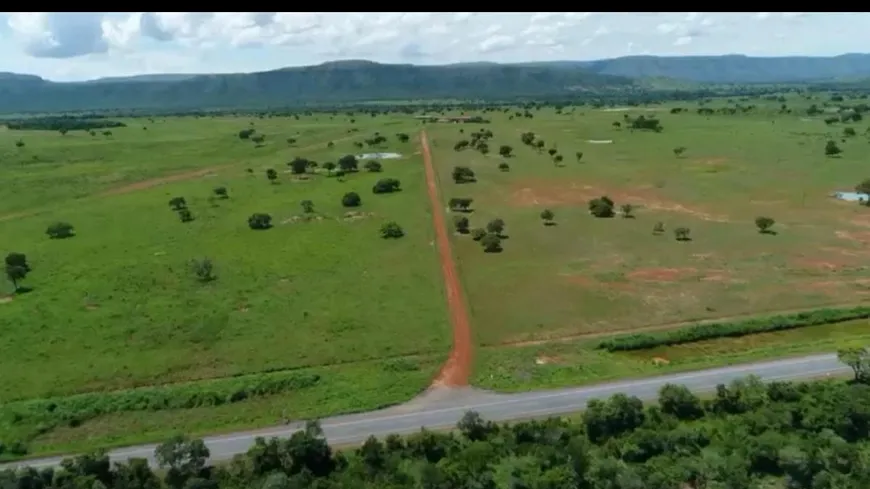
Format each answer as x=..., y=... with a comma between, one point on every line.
x=347, y=81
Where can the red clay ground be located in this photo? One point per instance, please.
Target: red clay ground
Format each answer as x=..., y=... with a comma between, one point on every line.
x=551, y=193
x=456, y=371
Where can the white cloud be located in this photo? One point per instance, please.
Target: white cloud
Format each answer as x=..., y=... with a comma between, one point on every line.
x=68, y=46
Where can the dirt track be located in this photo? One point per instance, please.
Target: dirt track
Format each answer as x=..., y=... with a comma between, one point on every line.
x=457, y=370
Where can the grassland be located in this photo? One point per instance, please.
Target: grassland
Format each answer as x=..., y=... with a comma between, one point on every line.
x=537, y=306
x=117, y=307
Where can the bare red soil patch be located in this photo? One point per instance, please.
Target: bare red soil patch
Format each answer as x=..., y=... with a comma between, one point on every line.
x=457, y=370
x=662, y=274
x=549, y=193
x=153, y=182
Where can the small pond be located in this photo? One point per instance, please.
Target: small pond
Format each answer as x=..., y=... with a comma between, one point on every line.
x=378, y=156
x=850, y=196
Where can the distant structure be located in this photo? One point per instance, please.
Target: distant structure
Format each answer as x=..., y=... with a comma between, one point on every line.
x=460, y=119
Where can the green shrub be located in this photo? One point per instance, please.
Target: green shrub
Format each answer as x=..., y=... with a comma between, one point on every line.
x=733, y=329
x=76, y=409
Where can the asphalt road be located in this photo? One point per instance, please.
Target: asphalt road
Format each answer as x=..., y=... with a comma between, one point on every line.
x=443, y=408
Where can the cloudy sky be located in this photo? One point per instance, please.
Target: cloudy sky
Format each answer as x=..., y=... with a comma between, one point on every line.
x=79, y=46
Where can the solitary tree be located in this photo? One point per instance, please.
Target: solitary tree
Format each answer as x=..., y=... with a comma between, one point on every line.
x=764, y=223
x=373, y=166
x=503, y=166
x=679, y=150
x=547, y=215
x=203, y=268
x=177, y=203
x=221, y=193
x=682, y=234
x=658, y=228
x=351, y=199
x=391, y=230
x=831, y=149
x=16, y=268
x=307, y=206
x=478, y=233
x=579, y=156
x=260, y=221
x=299, y=165
x=60, y=230
x=461, y=224
x=329, y=166
x=627, y=210
x=272, y=175
x=505, y=150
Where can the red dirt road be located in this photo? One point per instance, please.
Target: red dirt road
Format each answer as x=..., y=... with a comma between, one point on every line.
x=456, y=371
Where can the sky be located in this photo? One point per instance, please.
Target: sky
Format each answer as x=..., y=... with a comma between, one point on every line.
x=80, y=46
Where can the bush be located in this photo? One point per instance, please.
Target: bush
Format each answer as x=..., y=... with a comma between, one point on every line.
x=601, y=207
x=60, y=230
x=351, y=199
x=391, y=230
x=386, y=186
x=260, y=221
x=477, y=234
x=733, y=329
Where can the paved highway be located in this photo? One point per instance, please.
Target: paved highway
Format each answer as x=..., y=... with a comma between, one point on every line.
x=443, y=408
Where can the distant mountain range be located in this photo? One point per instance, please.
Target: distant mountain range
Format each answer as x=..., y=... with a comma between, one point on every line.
x=352, y=81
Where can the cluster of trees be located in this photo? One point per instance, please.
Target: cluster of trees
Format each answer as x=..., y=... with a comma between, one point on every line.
x=63, y=123
x=179, y=205
x=749, y=435
x=479, y=140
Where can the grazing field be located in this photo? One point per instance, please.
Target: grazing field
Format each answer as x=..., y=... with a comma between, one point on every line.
x=585, y=277
x=316, y=315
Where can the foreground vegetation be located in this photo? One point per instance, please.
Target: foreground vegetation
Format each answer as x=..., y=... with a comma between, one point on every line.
x=748, y=435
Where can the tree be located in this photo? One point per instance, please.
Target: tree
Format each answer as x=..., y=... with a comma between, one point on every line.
x=386, y=186
x=177, y=203
x=547, y=215
x=299, y=166
x=557, y=159
x=496, y=227
x=505, y=151
x=402, y=137
x=258, y=139
x=272, y=175
x=391, y=230
x=260, y=221
x=491, y=243
x=60, y=230
x=462, y=174
x=528, y=138
x=858, y=359
x=680, y=402
x=552, y=151
x=203, y=268
x=658, y=228
x=329, y=166
x=373, y=166
x=348, y=163
x=601, y=207
x=627, y=210
x=351, y=199
x=503, y=166
x=849, y=132
x=682, y=234
x=185, y=215
x=831, y=149
x=221, y=192
x=679, y=150
x=864, y=188
x=307, y=206
x=461, y=224
x=291, y=141
x=478, y=233
x=579, y=156
x=184, y=460
x=764, y=223
x=16, y=268
x=462, y=204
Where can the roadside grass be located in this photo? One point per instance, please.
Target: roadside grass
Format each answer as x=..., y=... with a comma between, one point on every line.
x=565, y=364
x=343, y=389
x=592, y=276
x=117, y=306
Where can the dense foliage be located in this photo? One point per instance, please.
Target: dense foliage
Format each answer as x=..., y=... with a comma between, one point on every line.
x=732, y=329
x=62, y=123
x=747, y=436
